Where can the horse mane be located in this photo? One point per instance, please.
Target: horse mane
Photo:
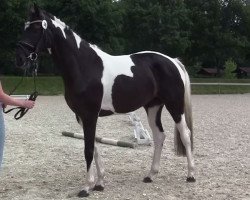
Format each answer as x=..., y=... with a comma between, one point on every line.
x=68, y=28
x=47, y=14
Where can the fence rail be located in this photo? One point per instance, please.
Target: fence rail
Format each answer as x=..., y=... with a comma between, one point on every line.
x=229, y=84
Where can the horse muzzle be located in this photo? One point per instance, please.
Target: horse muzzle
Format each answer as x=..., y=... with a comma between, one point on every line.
x=21, y=60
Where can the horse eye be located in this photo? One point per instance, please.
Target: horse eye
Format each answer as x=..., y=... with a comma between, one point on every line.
x=37, y=26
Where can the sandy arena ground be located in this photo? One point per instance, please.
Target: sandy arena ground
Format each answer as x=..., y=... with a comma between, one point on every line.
x=40, y=163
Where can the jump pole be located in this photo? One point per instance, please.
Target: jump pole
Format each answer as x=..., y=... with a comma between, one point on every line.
x=102, y=140
x=21, y=96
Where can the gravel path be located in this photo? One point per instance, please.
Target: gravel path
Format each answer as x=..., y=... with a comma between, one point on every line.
x=42, y=164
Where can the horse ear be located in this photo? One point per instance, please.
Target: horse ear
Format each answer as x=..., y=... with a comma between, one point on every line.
x=37, y=9
x=34, y=9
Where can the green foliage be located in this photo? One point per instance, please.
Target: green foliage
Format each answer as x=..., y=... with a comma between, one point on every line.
x=230, y=66
x=156, y=25
x=11, y=17
x=192, y=70
x=197, y=31
x=98, y=22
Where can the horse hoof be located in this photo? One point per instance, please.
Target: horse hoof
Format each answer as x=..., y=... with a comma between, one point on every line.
x=98, y=188
x=83, y=193
x=147, y=180
x=191, y=179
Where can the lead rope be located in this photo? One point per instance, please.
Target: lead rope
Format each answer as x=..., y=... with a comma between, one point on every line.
x=21, y=110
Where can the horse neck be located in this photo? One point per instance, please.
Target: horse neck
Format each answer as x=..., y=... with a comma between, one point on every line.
x=72, y=61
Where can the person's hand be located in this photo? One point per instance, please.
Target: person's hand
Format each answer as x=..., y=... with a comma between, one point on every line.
x=28, y=104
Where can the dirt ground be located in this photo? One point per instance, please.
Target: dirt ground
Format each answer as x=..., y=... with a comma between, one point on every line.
x=40, y=163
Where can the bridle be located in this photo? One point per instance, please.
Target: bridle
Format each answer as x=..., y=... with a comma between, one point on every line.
x=21, y=110
x=33, y=55
x=32, y=63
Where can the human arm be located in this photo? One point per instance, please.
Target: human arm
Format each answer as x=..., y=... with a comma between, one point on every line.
x=8, y=100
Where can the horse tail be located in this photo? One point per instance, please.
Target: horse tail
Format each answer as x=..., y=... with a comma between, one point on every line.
x=179, y=147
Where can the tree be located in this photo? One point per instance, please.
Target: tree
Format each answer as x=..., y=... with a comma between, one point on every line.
x=230, y=66
x=156, y=25
x=11, y=19
x=96, y=21
x=205, y=32
x=198, y=31
x=234, y=22
x=218, y=32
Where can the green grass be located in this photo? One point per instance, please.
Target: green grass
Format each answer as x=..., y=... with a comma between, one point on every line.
x=45, y=85
x=54, y=85
x=208, y=89
x=219, y=89
x=219, y=80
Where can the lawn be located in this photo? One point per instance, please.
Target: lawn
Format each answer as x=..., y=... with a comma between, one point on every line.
x=220, y=89
x=53, y=85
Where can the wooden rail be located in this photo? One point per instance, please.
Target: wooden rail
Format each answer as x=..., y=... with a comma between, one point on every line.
x=229, y=84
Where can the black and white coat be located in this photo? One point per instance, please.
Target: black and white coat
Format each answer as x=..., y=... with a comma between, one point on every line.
x=99, y=84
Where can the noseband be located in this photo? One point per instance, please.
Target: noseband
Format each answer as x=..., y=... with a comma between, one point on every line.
x=33, y=55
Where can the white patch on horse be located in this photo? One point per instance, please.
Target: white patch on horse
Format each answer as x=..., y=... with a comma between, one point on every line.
x=78, y=39
x=58, y=23
x=185, y=138
x=99, y=168
x=26, y=25
x=158, y=137
x=90, y=179
x=174, y=61
x=49, y=50
x=113, y=67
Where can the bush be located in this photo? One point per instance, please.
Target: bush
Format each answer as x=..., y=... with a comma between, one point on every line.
x=230, y=66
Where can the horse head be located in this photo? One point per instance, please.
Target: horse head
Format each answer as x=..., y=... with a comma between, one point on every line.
x=36, y=37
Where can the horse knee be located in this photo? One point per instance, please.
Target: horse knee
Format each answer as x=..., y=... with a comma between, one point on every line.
x=162, y=136
x=159, y=138
x=185, y=138
x=89, y=154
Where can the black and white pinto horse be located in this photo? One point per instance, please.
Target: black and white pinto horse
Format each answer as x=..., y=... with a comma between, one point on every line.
x=98, y=84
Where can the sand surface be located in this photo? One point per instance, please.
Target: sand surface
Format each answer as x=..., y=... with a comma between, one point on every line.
x=40, y=163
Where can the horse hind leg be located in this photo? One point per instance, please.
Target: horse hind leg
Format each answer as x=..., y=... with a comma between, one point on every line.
x=154, y=120
x=183, y=139
x=185, y=136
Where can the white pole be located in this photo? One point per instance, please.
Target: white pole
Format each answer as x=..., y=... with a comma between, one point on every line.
x=22, y=96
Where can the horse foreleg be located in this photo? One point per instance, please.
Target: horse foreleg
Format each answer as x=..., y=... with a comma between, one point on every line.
x=154, y=120
x=99, y=186
x=89, y=126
